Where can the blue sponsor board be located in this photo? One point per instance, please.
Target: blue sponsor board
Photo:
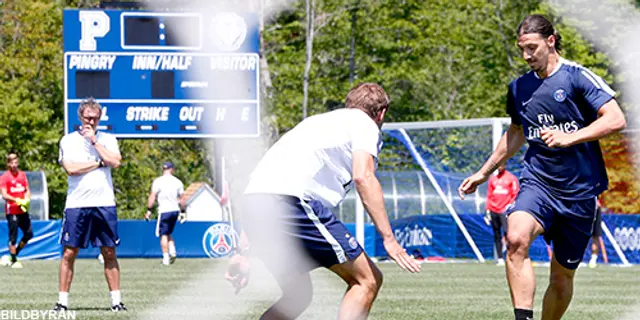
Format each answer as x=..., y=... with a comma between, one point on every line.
x=439, y=236
x=430, y=235
x=43, y=245
x=137, y=240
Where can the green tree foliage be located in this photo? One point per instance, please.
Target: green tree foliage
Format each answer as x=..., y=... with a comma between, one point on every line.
x=32, y=113
x=437, y=59
x=440, y=59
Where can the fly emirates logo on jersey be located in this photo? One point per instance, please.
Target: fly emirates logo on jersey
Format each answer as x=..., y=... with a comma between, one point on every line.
x=547, y=121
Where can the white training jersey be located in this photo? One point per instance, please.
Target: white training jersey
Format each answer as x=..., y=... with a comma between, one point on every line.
x=313, y=161
x=168, y=190
x=94, y=188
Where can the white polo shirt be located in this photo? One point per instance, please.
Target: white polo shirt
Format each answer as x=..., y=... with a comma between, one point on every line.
x=94, y=188
x=168, y=190
x=314, y=160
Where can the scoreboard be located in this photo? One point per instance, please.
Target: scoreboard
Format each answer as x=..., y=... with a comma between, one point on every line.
x=164, y=74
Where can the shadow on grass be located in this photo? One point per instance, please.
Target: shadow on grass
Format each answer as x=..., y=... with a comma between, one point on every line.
x=90, y=309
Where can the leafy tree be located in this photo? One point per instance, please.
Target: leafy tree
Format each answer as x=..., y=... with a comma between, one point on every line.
x=32, y=113
x=440, y=59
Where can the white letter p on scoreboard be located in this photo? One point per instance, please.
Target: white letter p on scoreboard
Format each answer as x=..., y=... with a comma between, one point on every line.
x=94, y=24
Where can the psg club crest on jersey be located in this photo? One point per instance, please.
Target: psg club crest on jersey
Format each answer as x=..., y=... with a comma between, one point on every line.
x=219, y=240
x=560, y=95
x=353, y=243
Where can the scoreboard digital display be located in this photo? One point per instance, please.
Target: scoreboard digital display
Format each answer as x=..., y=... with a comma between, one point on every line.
x=162, y=74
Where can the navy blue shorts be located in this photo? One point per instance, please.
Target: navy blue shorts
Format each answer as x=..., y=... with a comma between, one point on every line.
x=568, y=224
x=293, y=236
x=96, y=224
x=166, y=223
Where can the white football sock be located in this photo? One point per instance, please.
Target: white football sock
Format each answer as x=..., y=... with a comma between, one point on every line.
x=115, y=297
x=172, y=249
x=63, y=298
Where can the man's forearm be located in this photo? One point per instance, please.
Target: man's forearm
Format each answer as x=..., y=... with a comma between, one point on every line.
x=77, y=168
x=150, y=202
x=7, y=197
x=609, y=123
x=110, y=158
x=372, y=198
x=509, y=144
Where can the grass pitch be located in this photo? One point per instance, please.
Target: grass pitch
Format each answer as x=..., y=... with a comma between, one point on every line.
x=195, y=289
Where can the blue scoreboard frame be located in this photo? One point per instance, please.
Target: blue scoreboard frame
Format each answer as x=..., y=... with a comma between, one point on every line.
x=164, y=74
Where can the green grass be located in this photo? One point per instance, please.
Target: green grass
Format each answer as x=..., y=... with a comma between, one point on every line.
x=194, y=289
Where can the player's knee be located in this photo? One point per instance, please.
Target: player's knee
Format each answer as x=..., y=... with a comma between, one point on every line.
x=561, y=281
x=304, y=296
x=70, y=254
x=27, y=236
x=109, y=254
x=379, y=278
x=296, y=299
x=517, y=242
x=372, y=282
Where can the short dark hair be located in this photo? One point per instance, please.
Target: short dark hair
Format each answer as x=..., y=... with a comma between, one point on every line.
x=368, y=97
x=537, y=23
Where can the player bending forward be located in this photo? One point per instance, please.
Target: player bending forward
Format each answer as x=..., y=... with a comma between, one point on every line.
x=286, y=215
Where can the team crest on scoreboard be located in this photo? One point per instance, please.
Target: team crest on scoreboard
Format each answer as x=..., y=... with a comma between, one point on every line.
x=560, y=95
x=219, y=240
x=229, y=31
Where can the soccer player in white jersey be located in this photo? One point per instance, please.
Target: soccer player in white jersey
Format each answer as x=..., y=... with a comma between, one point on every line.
x=286, y=214
x=168, y=190
x=90, y=210
x=560, y=109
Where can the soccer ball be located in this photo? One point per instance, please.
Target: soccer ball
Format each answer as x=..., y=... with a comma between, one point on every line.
x=5, y=261
x=101, y=258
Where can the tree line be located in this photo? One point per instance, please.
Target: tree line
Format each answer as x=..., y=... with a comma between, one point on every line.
x=438, y=60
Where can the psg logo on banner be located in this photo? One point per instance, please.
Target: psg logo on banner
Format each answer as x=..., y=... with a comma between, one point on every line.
x=219, y=240
x=560, y=95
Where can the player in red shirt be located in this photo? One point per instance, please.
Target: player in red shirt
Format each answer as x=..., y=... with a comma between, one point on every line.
x=16, y=193
x=502, y=191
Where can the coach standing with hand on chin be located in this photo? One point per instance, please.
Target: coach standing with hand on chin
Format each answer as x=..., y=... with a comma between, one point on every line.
x=90, y=210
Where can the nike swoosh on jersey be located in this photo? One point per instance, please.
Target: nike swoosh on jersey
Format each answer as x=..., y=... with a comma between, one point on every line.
x=524, y=103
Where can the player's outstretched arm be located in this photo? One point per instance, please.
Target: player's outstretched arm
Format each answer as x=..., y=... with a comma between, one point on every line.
x=509, y=144
x=610, y=120
x=370, y=192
